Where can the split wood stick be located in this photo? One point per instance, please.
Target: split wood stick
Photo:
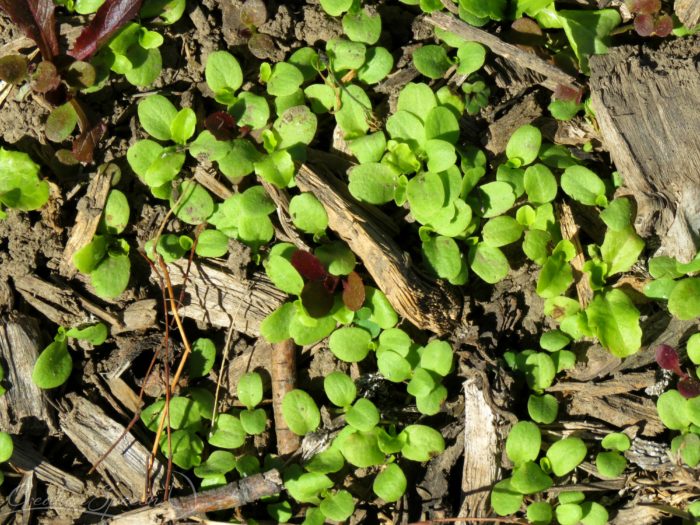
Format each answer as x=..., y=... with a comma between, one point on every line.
x=553, y=75
x=283, y=372
x=428, y=304
x=229, y=496
x=569, y=231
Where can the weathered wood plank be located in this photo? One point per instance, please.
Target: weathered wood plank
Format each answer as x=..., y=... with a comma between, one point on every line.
x=646, y=105
x=688, y=12
x=423, y=301
x=218, y=297
x=23, y=408
x=93, y=433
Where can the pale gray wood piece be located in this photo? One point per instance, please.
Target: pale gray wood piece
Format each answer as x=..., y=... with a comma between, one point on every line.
x=688, y=12
x=482, y=449
x=88, y=218
x=620, y=410
x=646, y=104
x=635, y=514
x=426, y=303
x=26, y=459
x=553, y=75
x=218, y=297
x=23, y=408
x=61, y=304
x=93, y=432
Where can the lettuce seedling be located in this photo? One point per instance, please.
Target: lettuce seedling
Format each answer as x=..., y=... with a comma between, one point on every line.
x=20, y=186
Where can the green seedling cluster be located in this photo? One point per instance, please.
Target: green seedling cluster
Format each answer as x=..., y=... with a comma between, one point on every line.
x=203, y=443
x=671, y=283
x=106, y=257
x=55, y=364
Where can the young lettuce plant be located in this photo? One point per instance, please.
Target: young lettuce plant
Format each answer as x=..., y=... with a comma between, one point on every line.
x=228, y=431
x=54, y=364
x=531, y=476
x=20, y=185
x=679, y=409
x=106, y=257
x=672, y=283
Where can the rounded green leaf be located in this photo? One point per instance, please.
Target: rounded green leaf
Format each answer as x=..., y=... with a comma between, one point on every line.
x=540, y=371
x=406, y=127
x=275, y=327
x=142, y=154
x=505, y=499
x=111, y=276
x=441, y=155
x=350, y=344
x=616, y=441
x=422, y=383
x=218, y=462
x=555, y=277
x=336, y=7
x=529, y=478
x=361, y=449
x=542, y=409
x=250, y=389
x=693, y=348
x=53, y=366
x=431, y=61
x=296, y=125
x=390, y=484
x=393, y=366
x=523, y=442
x=164, y=169
x=431, y=403
x=539, y=513
x=338, y=506
x=422, y=443
x=251, y=110
x=201, y=361
x=345, y=54
x=373, y=182
x=300, y=412
x=488, y=262
x=417, y=98
x=566, y=454
x=253, y=421
x=326, y=462
x=285, y=80
x=363, y=415
x=223, y=72
x=340, y=389
x=306, y=487
x=116, y=212
x=354, y=112
x=610, y=464
x=183, y=125
x=182, y=413
x=568, y=514
x=501, y=231
x=360, y=26
x=673, y=410
x=496, y=198
x=441, y=123
x=426, y=195
x=582, y=185
x=156, y=114
x=227, y=432
x=194, y=204
x=524, y=145
x=593, y=513
x=6, y=446
x=211, y=243
x=684, y=300
x=95, y=334
x=321, y=96
x=437, y=356
x=383, y=313
x=61, y=123
x=20, y=186
x=283, y=275
x=308, y=214
x=378, y=64
x=540, y=184
x=472, y=56
x=337, y=257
